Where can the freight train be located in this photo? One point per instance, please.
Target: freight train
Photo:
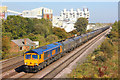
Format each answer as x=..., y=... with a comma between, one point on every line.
x=36, y=59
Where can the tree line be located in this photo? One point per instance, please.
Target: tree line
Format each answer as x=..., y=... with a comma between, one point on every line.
x=17, y=27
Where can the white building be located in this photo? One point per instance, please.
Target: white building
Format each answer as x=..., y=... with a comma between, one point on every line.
x=67, y=19
x=91, y=26
x=68, y=26
x=72, y=15
x=57, y=22
x=38, y=13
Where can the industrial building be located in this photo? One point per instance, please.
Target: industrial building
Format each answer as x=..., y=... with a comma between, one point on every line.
x=39, y=13
x=3, y=10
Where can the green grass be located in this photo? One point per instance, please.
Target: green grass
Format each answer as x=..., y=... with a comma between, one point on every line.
x=94, y=67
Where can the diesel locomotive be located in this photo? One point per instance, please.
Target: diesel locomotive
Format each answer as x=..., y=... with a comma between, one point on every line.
x=36, y=59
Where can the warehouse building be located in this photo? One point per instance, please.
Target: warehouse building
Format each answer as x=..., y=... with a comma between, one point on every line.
x=39, y=13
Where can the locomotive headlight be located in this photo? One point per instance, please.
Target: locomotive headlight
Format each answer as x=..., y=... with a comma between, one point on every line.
x=25, y=63
x=36, y=63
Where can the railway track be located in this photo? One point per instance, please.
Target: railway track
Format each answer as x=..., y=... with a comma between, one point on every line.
x=10, y=64
x=7, y=68
x=56, y=67
x=63, y=65
x=13, y=60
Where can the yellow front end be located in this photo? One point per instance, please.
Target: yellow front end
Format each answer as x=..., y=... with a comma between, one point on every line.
x=31, y=59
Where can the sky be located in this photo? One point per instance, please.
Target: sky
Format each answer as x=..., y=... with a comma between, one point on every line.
x=59, y=0
x=100, y=12
x=119, y=11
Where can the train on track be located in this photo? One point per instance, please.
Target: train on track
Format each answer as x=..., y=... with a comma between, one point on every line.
x=36, y=59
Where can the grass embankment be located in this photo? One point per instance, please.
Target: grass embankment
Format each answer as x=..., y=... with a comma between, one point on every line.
x=102, y=63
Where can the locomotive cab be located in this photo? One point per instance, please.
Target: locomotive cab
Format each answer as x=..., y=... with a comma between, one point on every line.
x=37, y=59
x=31, y=59
x=31, y=62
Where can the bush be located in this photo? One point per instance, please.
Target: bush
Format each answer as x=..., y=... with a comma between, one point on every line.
x=42, y=29
x=95, y=52
x=60, y=33
x=5, y=45
x=114, y=32
x=106, y=47
x=52, y=38
x=41, y=39
x=73, y=32
x=100, y=58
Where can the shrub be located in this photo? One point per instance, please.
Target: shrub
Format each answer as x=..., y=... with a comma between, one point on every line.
x=5, y=45
x=60, y=33
x=96, y=51
x=106, y=47
x=51, y=38
x=41, y=40
x=73, y=32
x=100, y=58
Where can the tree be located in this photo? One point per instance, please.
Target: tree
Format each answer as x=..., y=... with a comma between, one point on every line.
x=114, y=32
x=5, y=46
x=17, y=26
x=43, y=27
x=51, y=38
x=73, y=32
x=81, y=25
x=61, y=33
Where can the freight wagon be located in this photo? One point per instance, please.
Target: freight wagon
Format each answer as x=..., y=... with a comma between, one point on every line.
x=39, y=58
